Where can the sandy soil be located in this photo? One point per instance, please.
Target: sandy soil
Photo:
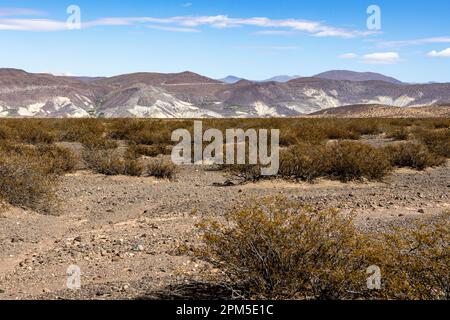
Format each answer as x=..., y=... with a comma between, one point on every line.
x=123, y=232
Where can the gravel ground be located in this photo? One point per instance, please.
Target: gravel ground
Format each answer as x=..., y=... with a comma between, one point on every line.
x=123, y=232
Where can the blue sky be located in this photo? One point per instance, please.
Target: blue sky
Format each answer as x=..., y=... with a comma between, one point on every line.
x=216, y=38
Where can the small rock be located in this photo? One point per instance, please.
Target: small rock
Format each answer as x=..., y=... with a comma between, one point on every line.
x=77, y=239
x=138, y=248
x=421, y=211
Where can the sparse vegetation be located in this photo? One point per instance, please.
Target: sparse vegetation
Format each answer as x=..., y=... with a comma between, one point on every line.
x=301, y=253
x=59, y=160
x=161, y=168
x=111, y=162
x=27, y=181
x=437, y=141
x=135, y=151
x=303, y=162
x=412, y=155
x=339, y=160
x=398, y=134
x=354, y=161
x=311, y=148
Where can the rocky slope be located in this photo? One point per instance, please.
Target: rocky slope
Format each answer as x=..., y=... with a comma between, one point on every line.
x=188, y=95
x=380, y=111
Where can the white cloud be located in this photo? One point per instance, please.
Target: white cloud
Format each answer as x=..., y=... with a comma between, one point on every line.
x=276, y=48
x=314, y=28
x=414, y=42
x=381, y=58
x=187, y=5
x=275, y=33
x=348, y=56
x=173, y=29
x=5, y=12
x=32, y=25
x=444, y=53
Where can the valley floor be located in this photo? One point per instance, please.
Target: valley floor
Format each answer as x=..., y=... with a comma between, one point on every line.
x=123, y=232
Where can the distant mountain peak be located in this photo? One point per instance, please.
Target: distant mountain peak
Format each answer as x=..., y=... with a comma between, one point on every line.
x=231, y=79
x=356, y=76
x=282, y=78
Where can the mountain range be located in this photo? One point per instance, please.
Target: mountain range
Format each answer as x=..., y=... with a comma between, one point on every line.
x=190, y=95
x=282, y=78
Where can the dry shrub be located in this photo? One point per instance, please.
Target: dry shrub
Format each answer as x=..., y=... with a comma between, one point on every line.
x=59, y=160
x=303, y=162
x=6, y=133
x=152, y=136
x=26, y=181
x=245, y=172
x=336, y=132
x=124, y=129
x=110, y=162
x=437, y=141
x=399, y=134
x=54, y=159
x=412, y=155
x=296, y=253
x=354, y=161
x=79, y=130
x=300, y=253
x=341, y=160
x=414, y=260
x=95, y=142
x=135, y=151
x=36, y=135
x=161, y=168
x=365, y=126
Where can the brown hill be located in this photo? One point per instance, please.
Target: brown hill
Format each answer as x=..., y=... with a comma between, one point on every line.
x=380, y=111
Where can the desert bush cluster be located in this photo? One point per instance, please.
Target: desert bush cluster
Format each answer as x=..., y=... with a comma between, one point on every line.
x=30, y=174
x=311, y=148
x=340, y=160
x=302, y=253
x=412, y=155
